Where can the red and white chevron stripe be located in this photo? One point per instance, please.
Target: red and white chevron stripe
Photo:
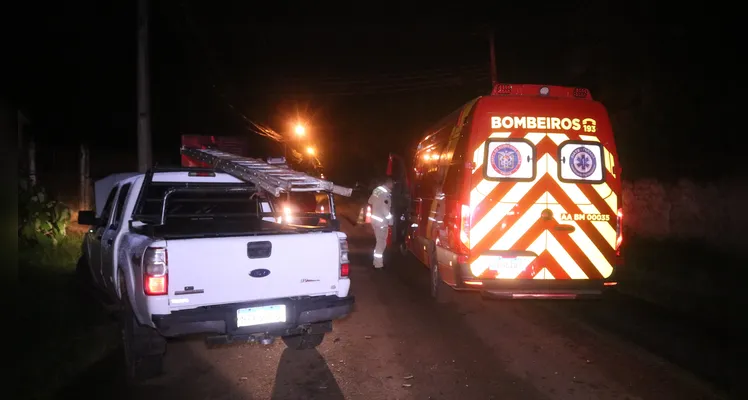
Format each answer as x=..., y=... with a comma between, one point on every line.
x=507, y=216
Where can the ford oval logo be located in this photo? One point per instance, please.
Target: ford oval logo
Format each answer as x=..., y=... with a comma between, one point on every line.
x=259, y=273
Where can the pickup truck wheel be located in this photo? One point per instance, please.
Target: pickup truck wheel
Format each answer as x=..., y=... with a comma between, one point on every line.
x=144, y=348
x=304, y=341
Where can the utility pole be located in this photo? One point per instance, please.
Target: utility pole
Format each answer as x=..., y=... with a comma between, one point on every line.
x=32, y=163
x=494, y=79
x=144, y=118
x=84, y=200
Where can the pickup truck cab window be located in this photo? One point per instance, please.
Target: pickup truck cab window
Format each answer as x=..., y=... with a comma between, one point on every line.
x=120, y=208
x=106, y=212
x=95, y=238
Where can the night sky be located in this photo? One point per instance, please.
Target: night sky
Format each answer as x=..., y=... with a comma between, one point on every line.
x=669, y=81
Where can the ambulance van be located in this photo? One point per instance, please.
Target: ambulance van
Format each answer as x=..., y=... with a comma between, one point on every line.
x=518, y=195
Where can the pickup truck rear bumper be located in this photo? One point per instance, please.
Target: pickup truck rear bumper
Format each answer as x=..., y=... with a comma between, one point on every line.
x=302, y=315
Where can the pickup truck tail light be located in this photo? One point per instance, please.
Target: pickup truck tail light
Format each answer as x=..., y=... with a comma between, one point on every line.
x=156, y=271
x=344, y=262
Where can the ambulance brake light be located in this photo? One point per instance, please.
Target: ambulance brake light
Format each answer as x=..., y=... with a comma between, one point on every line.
x=501, y=88
x=465, y=214
x=532, y=90
x=581, y=93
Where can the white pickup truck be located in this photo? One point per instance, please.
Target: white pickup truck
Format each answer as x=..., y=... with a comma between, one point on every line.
x=187, y=250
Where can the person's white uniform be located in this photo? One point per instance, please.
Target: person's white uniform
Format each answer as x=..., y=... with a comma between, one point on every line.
x=381, y=220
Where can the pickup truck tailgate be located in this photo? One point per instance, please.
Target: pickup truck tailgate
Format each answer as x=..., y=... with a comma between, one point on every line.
x=210, y=271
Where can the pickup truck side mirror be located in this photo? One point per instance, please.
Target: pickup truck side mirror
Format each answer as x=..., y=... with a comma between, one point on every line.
x=88, y=218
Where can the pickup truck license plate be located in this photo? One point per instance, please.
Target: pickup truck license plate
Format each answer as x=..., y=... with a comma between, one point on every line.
x=260, y=315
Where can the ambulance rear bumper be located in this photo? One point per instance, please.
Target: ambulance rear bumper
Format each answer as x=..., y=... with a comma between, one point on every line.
x=539, y=289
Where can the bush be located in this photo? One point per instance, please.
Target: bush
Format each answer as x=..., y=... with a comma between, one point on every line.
x=41, y=219
x=59, y=257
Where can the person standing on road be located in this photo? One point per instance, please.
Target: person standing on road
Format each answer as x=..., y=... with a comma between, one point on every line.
x=381, y=218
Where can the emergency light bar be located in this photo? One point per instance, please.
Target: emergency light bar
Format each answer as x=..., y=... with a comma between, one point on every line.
x=505, y=89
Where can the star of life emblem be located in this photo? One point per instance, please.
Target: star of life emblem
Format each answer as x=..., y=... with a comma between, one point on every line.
x=505, y=159
x=582, y=162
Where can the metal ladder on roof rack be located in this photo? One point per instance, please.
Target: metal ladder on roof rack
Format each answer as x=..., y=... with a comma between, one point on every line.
x=272, y=178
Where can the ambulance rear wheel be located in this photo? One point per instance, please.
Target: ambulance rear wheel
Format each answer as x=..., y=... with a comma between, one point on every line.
x=403, y=249
x=440, y=291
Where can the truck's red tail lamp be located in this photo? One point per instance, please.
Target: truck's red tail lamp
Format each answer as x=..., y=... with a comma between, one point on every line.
x=156, y=271
x=344, y=262
x=619, y=231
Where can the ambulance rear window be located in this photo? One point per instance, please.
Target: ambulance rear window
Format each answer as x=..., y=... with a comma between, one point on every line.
x=581, y=162
x=509, y=160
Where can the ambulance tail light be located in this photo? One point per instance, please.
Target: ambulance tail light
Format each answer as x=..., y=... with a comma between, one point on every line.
x=156, y=271
x=465, y=213
x=619, y=231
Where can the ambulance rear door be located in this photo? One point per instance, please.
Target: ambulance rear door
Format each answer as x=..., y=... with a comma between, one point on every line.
x=507, y=199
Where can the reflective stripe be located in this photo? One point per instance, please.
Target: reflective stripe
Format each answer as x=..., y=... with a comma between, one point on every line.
x=376, y=218
x=377, y=255
x=389, y=216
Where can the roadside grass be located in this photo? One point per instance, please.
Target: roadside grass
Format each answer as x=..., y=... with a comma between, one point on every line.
x=687, y=276
x=66, y=329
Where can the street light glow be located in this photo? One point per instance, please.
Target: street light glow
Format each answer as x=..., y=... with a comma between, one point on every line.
x=300, y=130
x=310, y=150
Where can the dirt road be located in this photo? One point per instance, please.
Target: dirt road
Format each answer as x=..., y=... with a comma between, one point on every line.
x=398, y=344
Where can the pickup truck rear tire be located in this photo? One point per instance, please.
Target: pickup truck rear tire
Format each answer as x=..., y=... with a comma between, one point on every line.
x=304, y=341
x=144, y=348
